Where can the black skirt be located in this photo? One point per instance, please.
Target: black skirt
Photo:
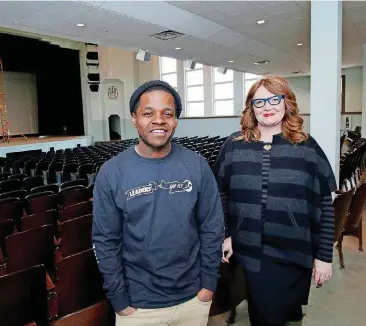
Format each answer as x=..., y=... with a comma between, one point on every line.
x=277, y=290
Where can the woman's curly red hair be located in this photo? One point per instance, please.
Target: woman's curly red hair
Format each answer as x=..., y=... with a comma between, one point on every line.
x=292, y=123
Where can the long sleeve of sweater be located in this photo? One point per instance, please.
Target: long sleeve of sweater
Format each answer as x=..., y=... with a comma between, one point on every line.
x=325, y=250
x=220, y=172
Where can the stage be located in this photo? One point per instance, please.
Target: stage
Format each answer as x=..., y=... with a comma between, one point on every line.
x=19, y=144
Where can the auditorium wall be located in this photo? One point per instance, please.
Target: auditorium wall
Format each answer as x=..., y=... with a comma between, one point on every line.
x=300, y=85
x=120, y=66
x=117, y=77
x=22, y=103
x=353, y=95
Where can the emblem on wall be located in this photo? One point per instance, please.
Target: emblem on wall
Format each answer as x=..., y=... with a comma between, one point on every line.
x=112, y=92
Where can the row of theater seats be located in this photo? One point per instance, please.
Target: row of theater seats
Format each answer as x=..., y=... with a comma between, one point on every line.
x=47, y=265
x=351, y=196
x=352, y=164
x=208, y=147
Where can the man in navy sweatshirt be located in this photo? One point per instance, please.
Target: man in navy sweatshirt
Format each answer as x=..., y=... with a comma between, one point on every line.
x=158, y=224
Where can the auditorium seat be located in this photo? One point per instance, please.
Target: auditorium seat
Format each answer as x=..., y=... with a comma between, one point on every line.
x=341, y=205
x=19, y=177
x=100, y=313
x=353, y=223
x=42, y=204
x=6, y=229
x=49, y=187
x=9, y=185
x=36, y=195
x=86, y=171
x=11, y=209
x=30, y=167
x=18, y=166
x=79, y=283
x=69, y=171
x=29, y=248
x=41, y=169
x=8, y=199
x=75, y=235
x=91, y=189
x=40, y=219
x=73, y=195
x=20, y=194
x=54, y=172
x=42, y=165
x=23, y=297
x=8, y=165
x=31, y=182
x=76, y=182
x=76, y=210
x=4, y=175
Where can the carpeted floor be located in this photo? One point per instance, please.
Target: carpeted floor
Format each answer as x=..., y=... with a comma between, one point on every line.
x=342, y=302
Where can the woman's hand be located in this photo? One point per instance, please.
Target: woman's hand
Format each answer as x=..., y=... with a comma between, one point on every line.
x=322, y=271
x=227, y=248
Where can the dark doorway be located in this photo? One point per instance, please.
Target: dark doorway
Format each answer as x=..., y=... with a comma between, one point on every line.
x=114, y=127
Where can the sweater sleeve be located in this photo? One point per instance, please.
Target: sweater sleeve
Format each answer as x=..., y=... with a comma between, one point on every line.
x=210, y=222
x=220, y=172
x=325, y=249
x=107, y=243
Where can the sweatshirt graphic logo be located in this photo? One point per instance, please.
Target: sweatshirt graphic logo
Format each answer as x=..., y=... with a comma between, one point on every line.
x=173, y=187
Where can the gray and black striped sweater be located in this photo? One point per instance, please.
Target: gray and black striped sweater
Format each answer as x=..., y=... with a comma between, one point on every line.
x=277, y=201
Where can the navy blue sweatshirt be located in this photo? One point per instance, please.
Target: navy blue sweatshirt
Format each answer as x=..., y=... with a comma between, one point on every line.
x=158, y=227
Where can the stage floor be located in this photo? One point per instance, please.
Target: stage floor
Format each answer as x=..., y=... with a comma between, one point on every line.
x=19, y=144
x=35, y=140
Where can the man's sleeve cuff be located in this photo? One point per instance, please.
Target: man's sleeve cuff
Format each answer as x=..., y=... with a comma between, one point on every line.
x=209, y=282
x=120, y=301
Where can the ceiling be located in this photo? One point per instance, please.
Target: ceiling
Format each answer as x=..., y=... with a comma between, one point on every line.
x=216, y=32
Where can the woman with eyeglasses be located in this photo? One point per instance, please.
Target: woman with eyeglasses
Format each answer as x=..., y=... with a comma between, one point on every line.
x=276, y=183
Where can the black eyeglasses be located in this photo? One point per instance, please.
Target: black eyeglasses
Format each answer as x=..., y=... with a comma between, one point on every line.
x=273, y=100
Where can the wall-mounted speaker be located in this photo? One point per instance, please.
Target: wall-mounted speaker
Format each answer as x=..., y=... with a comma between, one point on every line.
x=93, y=77
x=92, y=62
x=94, y=87
x=190, y=64
x=222, y=70
x=92, y=55
x=143, y=55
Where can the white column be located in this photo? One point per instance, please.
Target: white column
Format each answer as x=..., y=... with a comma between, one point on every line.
x=364, y=94
x=238, y=93
x=325, y=95
x=207, y=91
x=180, y=86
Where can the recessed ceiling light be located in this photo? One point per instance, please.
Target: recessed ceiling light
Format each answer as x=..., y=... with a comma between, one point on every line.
x=300, y=44
x=231, y=61
x=80, y=25
x=264, y=62
x=178, y=48
x=261, y=22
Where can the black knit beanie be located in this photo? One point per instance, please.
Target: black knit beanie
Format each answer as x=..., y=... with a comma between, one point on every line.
x=159, y=84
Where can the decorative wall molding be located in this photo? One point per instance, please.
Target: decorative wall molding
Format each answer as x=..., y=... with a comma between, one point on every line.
x=64, y=43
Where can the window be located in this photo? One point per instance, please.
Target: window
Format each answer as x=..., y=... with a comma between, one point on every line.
x=249, y=80
x=223, y=92
x=195, y=106
x=168, y=71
